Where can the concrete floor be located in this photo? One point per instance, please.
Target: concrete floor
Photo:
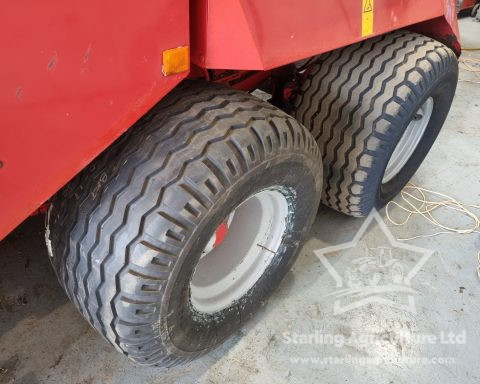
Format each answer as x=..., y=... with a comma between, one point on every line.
x=44, y=340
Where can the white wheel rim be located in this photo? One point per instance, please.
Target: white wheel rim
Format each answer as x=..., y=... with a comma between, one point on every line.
x=409, y=141
x=225, y=273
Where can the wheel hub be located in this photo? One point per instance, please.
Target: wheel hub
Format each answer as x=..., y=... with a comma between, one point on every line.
x=239, y=251
x=409, y=140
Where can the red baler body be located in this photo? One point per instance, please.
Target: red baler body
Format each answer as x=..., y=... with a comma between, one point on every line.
x=75, y=75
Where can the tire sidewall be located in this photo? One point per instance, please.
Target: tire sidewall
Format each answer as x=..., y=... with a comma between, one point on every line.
x=442, y=91
x=475, y=9
x=186, y=332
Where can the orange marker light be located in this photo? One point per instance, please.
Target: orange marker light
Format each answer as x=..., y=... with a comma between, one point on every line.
x=176, y=60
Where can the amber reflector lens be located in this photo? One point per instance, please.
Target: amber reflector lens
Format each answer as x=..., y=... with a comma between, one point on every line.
x=176, y=60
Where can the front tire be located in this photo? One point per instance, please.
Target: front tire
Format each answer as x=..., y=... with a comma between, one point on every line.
x=127, y=235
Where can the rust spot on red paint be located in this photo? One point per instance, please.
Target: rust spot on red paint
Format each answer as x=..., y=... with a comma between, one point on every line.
x=19, y=93
x=52, y=64
x=86, y=55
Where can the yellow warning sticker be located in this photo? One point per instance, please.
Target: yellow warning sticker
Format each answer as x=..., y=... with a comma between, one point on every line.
x=367, y=17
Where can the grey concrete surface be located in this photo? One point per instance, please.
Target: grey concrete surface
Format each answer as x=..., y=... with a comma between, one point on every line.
x=43, y=339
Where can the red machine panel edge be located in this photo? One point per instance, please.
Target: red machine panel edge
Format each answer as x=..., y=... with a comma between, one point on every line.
x=271, y=33
x=74, y=77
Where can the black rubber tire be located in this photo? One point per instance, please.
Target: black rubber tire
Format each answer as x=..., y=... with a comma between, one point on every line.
x=358, y=101
x=474, y=11
x=125, y=234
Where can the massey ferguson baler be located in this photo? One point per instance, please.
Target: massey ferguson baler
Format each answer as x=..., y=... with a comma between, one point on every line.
x=178, y=200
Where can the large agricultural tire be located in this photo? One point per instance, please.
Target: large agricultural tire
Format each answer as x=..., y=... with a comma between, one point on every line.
x=363, y=102
x=474, y=13
x=128, y=235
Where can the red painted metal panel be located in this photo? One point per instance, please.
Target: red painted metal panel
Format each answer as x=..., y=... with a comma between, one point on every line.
x=74, y=75
x=468, y=4
x=263, y=34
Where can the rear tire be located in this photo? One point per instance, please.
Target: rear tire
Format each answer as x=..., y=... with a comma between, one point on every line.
x=126, y=234
x=475, y=9
x=359, y=101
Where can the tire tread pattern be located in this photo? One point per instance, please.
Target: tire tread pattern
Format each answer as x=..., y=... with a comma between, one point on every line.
x=163, y=173
x=349, y=99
